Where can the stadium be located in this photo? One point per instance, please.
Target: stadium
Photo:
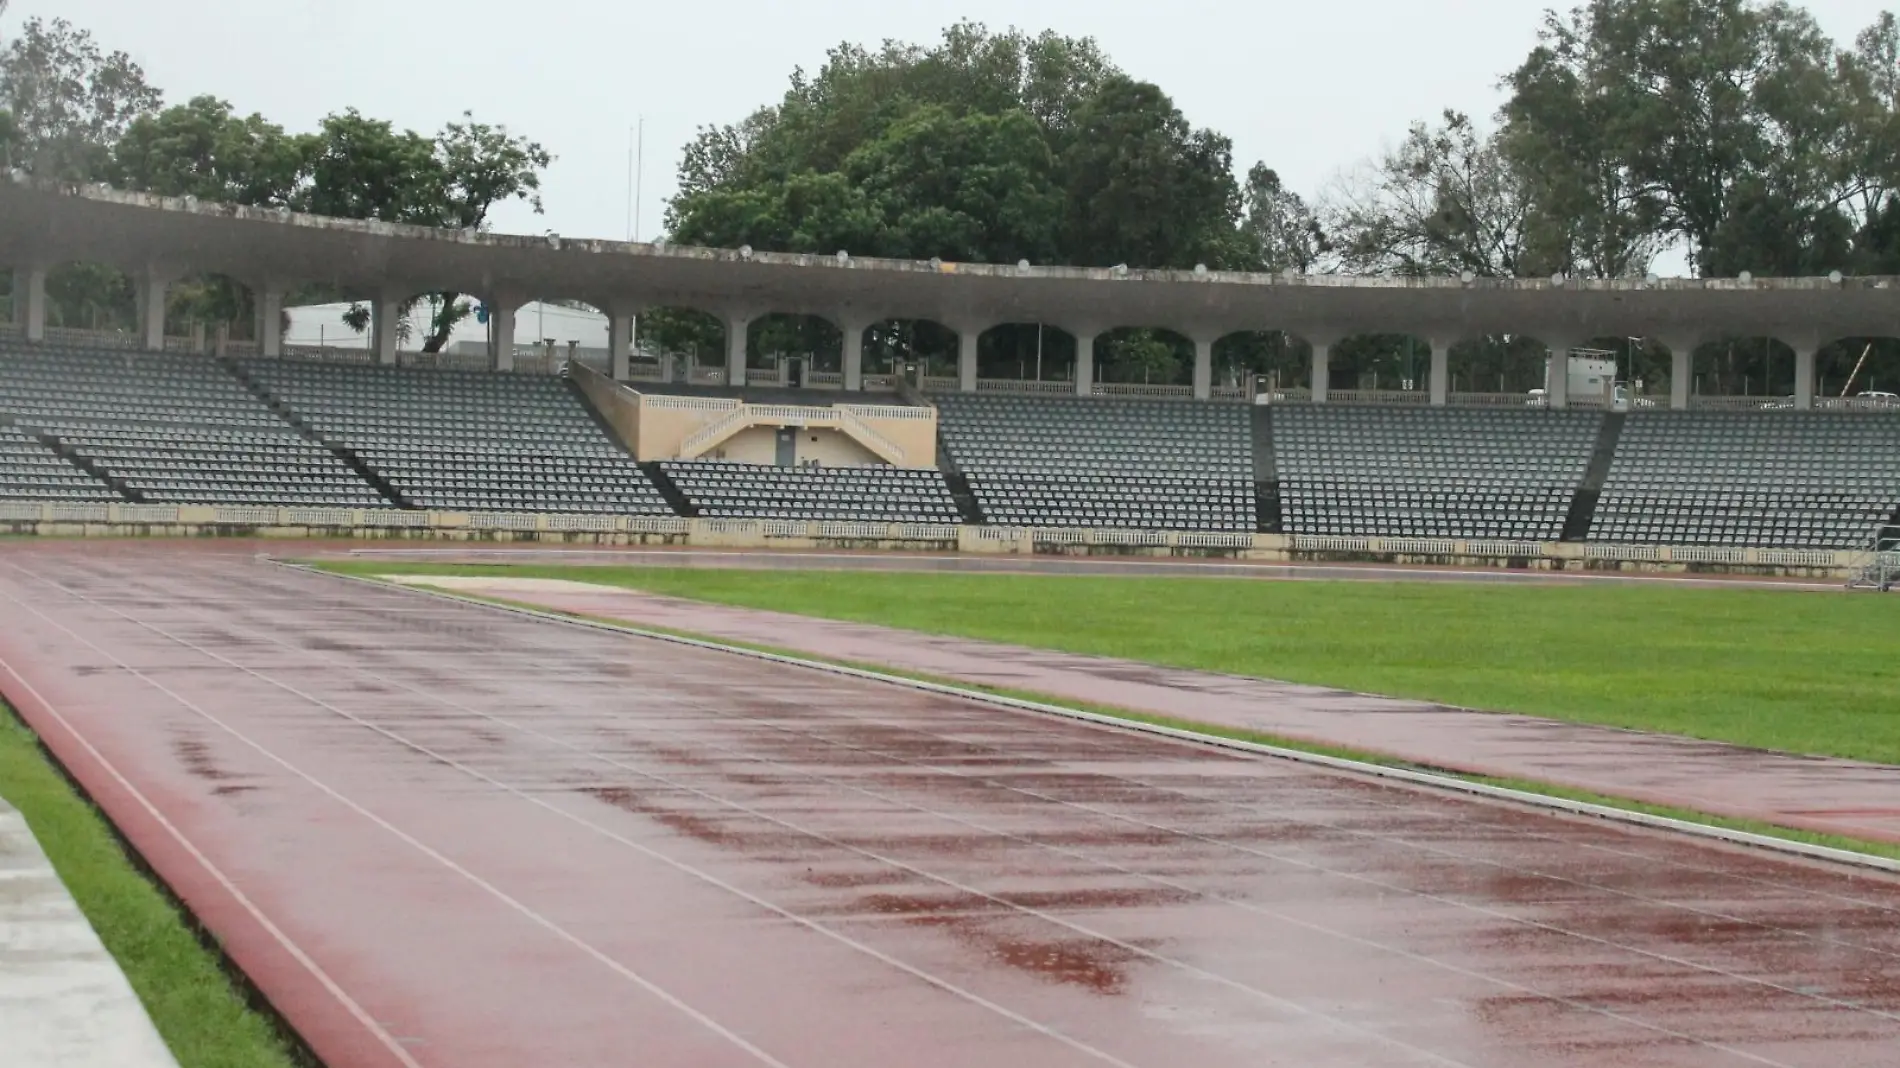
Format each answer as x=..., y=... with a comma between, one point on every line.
x=551, y=698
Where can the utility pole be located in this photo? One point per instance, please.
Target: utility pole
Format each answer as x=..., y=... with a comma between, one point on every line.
x=639, y=172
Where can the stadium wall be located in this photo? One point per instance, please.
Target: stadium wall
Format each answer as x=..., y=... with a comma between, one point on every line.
x=186, y=521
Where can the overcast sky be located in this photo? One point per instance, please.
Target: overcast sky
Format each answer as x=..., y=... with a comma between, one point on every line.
x=1308, y=86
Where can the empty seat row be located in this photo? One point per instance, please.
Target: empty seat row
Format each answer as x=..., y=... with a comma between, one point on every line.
x=871, y=494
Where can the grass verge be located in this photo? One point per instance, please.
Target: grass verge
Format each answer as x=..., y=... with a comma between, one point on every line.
x=203, y=1010
x=1133, y=716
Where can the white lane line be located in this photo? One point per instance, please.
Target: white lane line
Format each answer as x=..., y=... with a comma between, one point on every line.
x=500, y=895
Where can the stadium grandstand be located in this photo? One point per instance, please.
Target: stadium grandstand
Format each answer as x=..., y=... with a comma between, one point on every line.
x=562, y=430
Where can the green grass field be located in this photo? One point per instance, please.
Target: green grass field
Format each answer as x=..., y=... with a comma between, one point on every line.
x=200, y=1011
x=1795, y=671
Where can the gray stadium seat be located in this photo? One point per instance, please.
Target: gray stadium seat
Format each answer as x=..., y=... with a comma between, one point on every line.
x=1430, y=472
x=1777, y=479
x=467, y=440
x=1096, y=462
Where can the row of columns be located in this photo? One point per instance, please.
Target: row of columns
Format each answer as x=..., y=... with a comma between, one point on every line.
x=152, y=285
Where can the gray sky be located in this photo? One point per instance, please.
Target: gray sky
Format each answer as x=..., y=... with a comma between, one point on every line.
x=1309, y=87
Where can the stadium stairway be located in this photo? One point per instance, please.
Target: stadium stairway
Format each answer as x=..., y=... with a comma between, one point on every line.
x=1266, y=475
x=71, y=456
x=959, y=484
x=1583, y=507
x=670, y=491
x=348, y=456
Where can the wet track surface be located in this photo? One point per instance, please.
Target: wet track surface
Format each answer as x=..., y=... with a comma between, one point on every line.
x=1854, y=799
x=437, y=834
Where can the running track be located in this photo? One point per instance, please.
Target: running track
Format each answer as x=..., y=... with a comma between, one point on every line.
x=437, y=834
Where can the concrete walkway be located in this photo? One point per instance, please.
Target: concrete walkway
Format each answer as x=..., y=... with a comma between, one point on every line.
x=64, y=1003
x=1820, y=794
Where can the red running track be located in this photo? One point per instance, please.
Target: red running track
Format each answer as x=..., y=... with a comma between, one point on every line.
x=437, y=834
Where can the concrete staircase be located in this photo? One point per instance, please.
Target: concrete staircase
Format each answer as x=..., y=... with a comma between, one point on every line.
x=1583, y=506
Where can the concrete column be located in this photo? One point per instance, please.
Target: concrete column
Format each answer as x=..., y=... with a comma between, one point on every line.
x=384, y=313
x=197, y=338
x=1440, y=382
x=1804, y=375
x=1204, y=368
x=1681, y=371
x=270, y=321
x=851, y=356
x=1085, y=360
x=1322, y=370
x=967, y=337
x=736, y=324
x=152, y=288
x=620, y=343
x=29, y=302
x=1557, y=374
x=501, y=333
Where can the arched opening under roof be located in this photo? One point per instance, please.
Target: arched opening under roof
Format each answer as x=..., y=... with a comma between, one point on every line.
x=1495, y=366
x=1743, y=367
x=1145, y=356
x=693, y=341
x=782, y=348
x=1281, y=362
x=928, y=346
x=1854, y=366
x=1375, y=364
x=1026, y=352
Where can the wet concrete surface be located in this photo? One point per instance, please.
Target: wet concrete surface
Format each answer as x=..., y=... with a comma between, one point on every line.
x=1827, y=795
x=475, y=839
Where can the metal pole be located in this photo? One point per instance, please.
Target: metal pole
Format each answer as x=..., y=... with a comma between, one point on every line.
x=630, y=194
x=639, y=172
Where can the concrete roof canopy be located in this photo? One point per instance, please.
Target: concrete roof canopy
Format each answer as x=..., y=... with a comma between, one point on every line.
x=44, y=223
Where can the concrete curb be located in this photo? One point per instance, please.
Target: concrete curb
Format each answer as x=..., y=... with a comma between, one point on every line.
x=1407, y=775
x=63, y=999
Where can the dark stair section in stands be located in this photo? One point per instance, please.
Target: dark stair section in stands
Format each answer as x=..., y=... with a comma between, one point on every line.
x=669, y=490
x=84, y=463
x=349, y=457
x=1266, y=473
x=1583, y=506
x=959, y=484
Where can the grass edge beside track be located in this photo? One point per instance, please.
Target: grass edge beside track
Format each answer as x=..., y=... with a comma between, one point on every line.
x=1882, y=850
x=205, y=1010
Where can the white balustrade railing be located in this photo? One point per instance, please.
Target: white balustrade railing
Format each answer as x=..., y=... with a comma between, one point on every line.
x=1142, y=389
x=1024, y=385
x=702, y=439
x=1389, y=397
x=849, y=418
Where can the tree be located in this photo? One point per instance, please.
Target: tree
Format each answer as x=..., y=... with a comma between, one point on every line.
x=1670, y=109
x=1284, y=231
x=1444, y=202
x=987, y=147
x=69, y=101
x=201, y=149
x=362, y=168
x=1145, y=189
x=1591, y=216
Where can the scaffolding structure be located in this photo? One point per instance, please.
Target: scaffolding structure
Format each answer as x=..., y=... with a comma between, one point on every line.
x=1880, y=568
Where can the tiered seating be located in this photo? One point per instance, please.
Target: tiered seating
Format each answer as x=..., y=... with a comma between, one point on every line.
x=173, y=428
x=1412, y=472
x=1086, y=462
x=467, y=441
x=29, y=471
x=865, y=494
x=1761, y=479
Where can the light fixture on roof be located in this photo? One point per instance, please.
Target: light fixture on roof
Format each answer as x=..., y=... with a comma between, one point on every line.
x=1745, y=277
x=843, y=257
x=1651, y=279
x=554, y=240
x=936, y=263
x=1468, y=277
x=1022, y=265
x=1834, y=277
x=1557, y=279
x=1200, y=268
x=745, y=252
x=659, y=244
x=1121, y=270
